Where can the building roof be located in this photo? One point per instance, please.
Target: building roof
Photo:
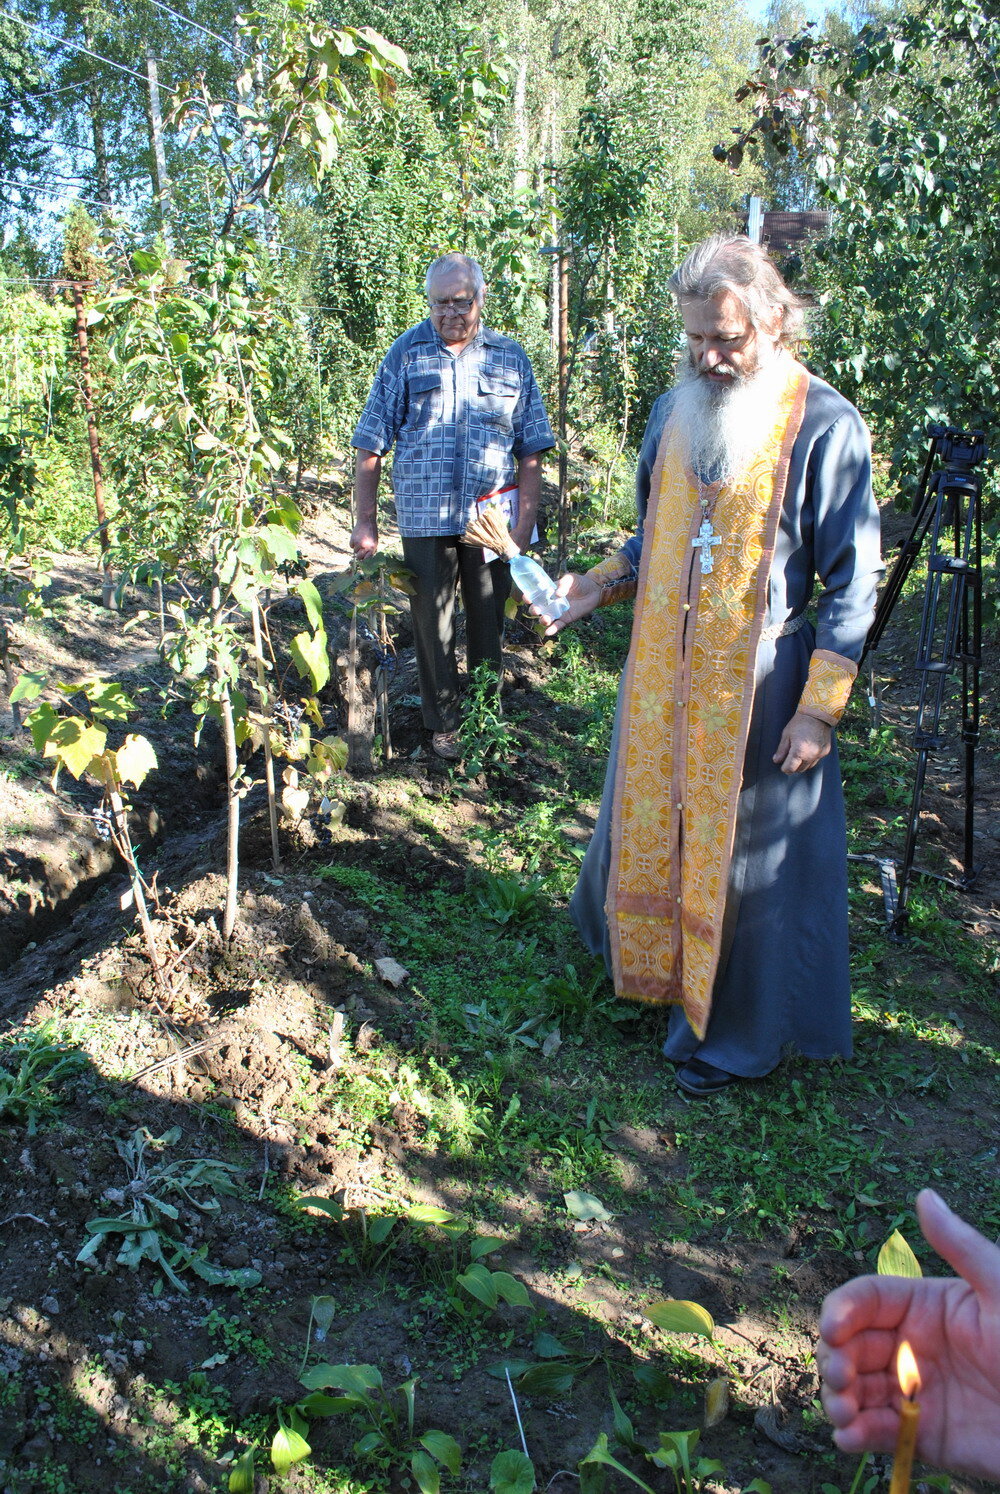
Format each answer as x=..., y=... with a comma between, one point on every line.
x=783, y=233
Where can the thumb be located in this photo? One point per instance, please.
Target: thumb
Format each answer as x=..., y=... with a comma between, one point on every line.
x=564, y=583
x=964, y=1248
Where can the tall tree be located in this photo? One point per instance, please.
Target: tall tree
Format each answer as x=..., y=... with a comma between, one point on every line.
x=899, y=124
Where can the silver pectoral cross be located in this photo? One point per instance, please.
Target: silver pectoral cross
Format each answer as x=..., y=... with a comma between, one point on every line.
x=705, y=541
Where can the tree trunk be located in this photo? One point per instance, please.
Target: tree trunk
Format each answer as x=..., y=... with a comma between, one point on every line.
x=160, y=180
x=95, y=105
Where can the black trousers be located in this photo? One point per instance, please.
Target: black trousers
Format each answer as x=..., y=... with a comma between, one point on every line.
x=439, y=564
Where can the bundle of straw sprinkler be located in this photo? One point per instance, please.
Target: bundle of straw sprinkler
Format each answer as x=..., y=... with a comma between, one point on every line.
x=489, y=529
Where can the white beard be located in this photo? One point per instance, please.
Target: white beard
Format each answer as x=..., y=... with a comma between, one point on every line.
x=722, y=426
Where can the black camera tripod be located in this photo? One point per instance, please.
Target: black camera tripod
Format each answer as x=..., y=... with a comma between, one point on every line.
x=947, y=506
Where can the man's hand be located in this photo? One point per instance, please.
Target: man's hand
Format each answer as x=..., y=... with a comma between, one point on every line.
x=952, y=1326
x=583, y=595
x=804, y=741
x=522, y=532
x=529, y=490
x=364, y=538
x=367, y=471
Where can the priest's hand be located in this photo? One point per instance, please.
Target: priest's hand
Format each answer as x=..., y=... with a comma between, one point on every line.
x=804, y=741
x=953, y=1327
x=583, y=595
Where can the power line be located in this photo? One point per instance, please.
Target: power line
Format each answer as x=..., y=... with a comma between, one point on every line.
x=60, y=41
x=6, y=181
x=50, y=93
x=204, y=29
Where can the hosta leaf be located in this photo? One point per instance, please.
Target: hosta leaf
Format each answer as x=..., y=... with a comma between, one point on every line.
x=513, y=1367
x=624, y=1430
x=287, y=1449
x=512, y=1473
x=428, y=1214
x=444, y=1448
x=478, y=1282
x=318, y=1404
x=354, y=1377
x=510, y=1289
x=678, y=1316
x=425, y=1471
x=323, y=1311
x=547, y=1379
x=599, y=1454
x=897, y=1259
x=547, y=1346
x=241, y=1477
x=655, y=1382
x=485, y=1245
x=327, y=1206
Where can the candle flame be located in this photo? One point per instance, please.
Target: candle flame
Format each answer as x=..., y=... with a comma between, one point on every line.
x=906, y=1369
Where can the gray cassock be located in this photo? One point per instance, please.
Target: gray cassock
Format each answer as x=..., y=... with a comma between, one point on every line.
x=783, y=983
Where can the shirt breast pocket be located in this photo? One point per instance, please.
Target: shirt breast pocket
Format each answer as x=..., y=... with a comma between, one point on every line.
x=423, y=397
x=498, y=394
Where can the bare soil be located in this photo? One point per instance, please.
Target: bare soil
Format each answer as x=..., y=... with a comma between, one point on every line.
x=240, y=1052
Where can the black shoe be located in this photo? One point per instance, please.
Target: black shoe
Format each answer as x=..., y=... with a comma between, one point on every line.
x=698, y=1078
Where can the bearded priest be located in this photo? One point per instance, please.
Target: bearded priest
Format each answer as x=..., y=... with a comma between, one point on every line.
x=716, y=879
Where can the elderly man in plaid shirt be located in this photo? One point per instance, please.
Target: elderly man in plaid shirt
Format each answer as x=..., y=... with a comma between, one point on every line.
x=461, y=404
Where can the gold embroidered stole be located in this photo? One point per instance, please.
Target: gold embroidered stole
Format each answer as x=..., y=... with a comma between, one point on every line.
x=688, y=692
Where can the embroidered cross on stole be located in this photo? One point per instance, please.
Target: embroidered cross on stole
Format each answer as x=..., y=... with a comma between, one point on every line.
x=686, y=705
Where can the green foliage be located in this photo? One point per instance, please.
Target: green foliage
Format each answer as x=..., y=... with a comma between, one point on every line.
x=897, y=124
x=297, y=85
x=896, y=1258
x=151, y=1228
x=387, y=1436
x=484, y=734
x=506, y=900
x=34, y=1068
x=512, y=1472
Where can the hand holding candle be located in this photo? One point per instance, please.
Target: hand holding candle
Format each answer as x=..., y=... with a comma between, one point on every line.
x=909, y=1420
x=953, y=1329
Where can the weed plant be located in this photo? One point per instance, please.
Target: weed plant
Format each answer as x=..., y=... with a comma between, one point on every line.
x=34, y=1069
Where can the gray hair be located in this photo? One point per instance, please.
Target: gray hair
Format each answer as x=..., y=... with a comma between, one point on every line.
x=730, y=262
x=456, y=261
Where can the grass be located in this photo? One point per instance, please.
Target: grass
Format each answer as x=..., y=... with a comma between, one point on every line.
x=522, y=1071
x=498, y=971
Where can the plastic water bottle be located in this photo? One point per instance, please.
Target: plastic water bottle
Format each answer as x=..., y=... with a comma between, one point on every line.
x=537, y=588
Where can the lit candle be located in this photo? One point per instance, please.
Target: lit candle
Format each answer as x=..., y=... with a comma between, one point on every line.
x=909, y=1419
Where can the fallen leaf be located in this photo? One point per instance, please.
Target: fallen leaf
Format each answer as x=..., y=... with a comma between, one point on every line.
x=586, y=1207
x=716, y=1401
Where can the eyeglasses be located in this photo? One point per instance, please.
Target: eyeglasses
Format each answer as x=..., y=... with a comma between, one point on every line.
x=461, y=304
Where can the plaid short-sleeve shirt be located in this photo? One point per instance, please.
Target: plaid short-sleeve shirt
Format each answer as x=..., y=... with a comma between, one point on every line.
x=459, y=424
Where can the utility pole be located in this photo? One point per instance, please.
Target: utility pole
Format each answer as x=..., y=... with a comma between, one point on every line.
x=562, y=546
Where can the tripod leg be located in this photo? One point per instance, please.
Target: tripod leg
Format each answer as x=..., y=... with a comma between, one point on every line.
x=898, y=924
x=972, y=634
